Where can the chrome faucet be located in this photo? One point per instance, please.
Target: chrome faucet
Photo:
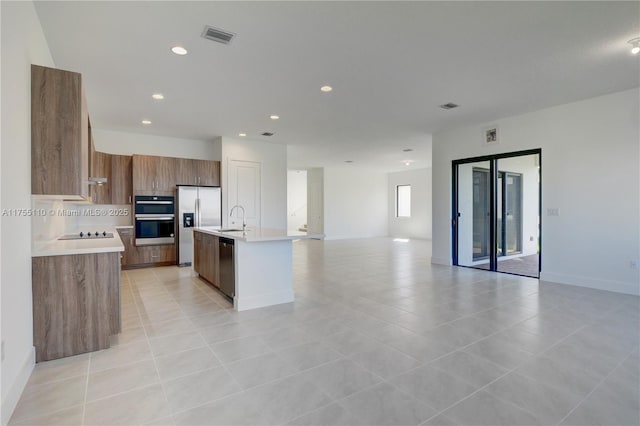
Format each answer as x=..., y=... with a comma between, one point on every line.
x=244, y=223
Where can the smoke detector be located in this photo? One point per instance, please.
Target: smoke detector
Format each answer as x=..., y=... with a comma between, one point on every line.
x=215, y=34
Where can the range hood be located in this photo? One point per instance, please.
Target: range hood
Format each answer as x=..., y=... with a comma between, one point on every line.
x=97, y=180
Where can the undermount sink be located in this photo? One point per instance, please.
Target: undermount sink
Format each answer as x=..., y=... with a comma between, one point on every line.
x=229, y=230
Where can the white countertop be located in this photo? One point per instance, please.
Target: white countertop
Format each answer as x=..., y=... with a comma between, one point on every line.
x=87, y=246
x=258, y=234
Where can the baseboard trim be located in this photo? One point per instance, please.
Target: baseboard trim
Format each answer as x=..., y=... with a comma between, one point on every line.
x=440, y=261
x=615, y=286
x=10, y=401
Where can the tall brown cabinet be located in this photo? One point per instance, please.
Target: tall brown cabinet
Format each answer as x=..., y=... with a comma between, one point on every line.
x=59, y=134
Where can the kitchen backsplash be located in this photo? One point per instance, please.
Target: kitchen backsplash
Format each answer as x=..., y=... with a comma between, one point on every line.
x=52, y=218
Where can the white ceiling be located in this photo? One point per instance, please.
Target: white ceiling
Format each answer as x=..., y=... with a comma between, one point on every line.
x=391, y=64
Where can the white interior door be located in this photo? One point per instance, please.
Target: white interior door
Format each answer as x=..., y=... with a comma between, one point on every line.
x=244, y=190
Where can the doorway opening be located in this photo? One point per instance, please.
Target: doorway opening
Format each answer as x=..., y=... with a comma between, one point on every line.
x=297, y=200
x=497, y=211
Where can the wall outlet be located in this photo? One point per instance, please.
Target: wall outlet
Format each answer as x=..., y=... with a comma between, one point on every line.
x=553, y=211
x=633, y=264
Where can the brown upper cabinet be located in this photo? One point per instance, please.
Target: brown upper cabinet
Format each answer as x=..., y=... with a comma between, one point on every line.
x=117, y=170
x=101, y=164
x=121, y=180
x=198, y=172
x=63, y=155
x=59, y=134
x=154, y=175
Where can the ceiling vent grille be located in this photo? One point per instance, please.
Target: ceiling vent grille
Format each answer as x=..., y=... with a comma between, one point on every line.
x=215, y=34
x=449, y=105
x=267, y=134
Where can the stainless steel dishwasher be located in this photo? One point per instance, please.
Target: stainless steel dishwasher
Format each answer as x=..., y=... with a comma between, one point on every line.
x=227, y=269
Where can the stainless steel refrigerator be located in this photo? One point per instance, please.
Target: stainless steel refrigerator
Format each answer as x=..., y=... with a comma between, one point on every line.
x=196, y=206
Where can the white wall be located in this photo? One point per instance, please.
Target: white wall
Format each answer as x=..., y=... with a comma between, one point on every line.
x=419, y=224
x=23, y=43
x=590, y=157
x=355, y=203
x=273, y=158
x=124, y=143
x=296, y=199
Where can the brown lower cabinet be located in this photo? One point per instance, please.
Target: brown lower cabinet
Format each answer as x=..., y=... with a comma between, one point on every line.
x=206, y=257
x=143, y=256
x=76, y=303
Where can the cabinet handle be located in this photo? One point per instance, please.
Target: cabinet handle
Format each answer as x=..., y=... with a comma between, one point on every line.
x=155, y=255
x=129, y=199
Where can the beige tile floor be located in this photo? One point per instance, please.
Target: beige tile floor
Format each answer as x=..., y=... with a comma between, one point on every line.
x=377, y=336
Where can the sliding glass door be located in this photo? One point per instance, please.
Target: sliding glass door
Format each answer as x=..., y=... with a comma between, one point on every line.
x=475, y=205
x=496, y=213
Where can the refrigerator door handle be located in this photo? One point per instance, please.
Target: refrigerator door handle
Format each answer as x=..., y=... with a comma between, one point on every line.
x=198, y=218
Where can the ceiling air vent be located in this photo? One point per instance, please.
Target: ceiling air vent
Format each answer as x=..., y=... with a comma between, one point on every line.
x=218, y=35
x=450, y=105
x=267, y=134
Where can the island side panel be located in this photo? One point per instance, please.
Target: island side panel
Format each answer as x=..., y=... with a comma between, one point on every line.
x=264, y=274
x=76, y=303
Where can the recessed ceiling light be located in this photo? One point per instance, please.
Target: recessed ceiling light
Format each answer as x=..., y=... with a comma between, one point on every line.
x=242, y=135
x=158, y=96
x=326, y=88
x=146, y=122
x=179, y=50
x=274, y=117
x=635, y=42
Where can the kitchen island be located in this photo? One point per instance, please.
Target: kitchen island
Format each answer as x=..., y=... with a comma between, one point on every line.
x=262, y=260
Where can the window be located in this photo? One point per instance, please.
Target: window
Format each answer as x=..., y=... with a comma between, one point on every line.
x=403, y=201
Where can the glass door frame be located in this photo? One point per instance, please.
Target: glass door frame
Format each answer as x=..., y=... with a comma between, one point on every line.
x=503, y=209
x=493, y=202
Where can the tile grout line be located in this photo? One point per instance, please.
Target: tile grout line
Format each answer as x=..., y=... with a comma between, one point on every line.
x=206, y=345
x=164, y=393
x=86, y=391
x=509, y=371
x=514, y=369
x=595, y=388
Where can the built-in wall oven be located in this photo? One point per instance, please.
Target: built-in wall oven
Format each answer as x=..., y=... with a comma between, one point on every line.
x=155, y=220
